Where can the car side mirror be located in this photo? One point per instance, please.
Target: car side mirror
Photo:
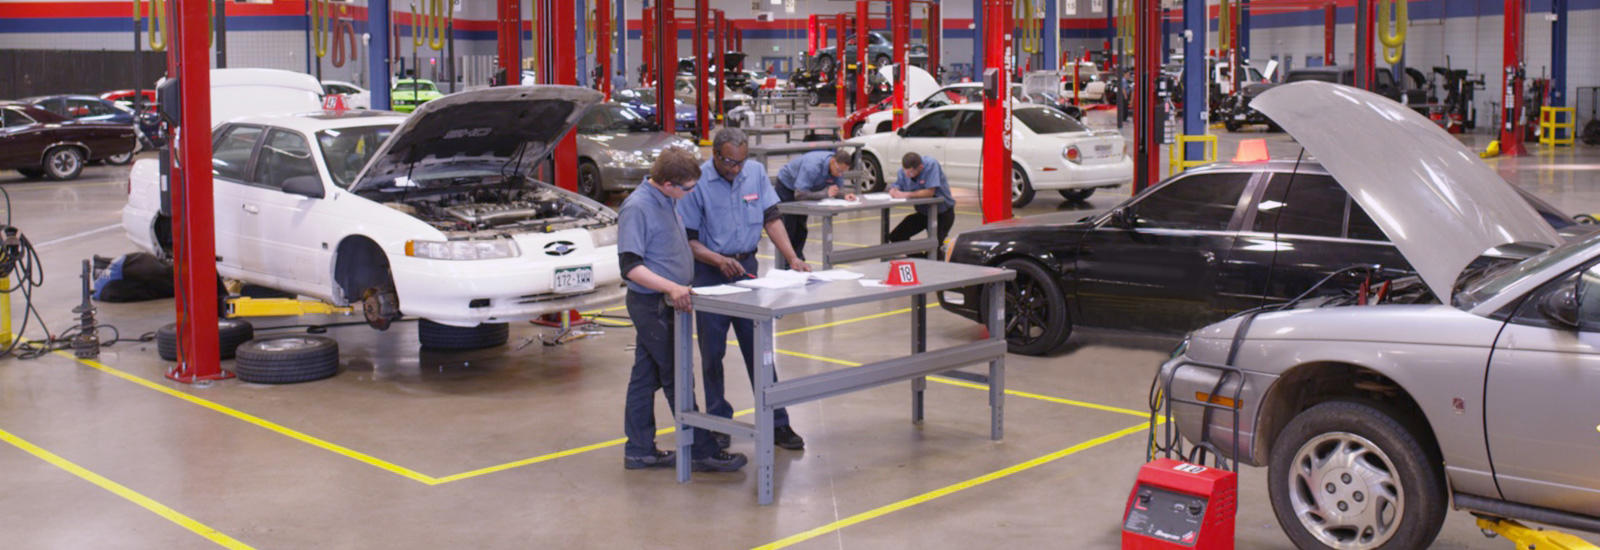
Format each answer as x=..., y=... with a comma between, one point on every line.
x=1561, y=306
x=305, y=186
x=901, y=131
x=1123, y=217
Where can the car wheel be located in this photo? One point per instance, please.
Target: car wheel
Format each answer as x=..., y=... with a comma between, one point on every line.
x=1344, y=474
x=814, y=98
x=1037, y=321
x=31, y=173
x=1076, y=195
x=874, y=170
x=825, y=63
x=287, y=359
x=1231, y=124
x=63, y=163
x=589, y=183
x=882, y=60
x=1021, y=188
x=440, y=337
x=230, y=333
x=122, y=159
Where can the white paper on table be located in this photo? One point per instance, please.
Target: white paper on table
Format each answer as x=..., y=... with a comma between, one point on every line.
x=718, y=290
x=872, y=283
x=837, y=202
x=835, y=275
x=880, y=197
x=776, y=279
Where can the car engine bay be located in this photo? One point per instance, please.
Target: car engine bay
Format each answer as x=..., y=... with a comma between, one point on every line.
x=502, y=208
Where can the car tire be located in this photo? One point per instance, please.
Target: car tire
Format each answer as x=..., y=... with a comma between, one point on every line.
x=31, y=173
x=882, y=60
x=590, y=183
x=63, y=163
x=825, y=63
x=1076, y=195
x=1037, y=321
x=1232, y=125
x=230, y=333
x=441, y=337
x=287, y=359
x=814, y=98
x=874, y=170
x=1021, y=188
x=122, y=159
x=1381, y=448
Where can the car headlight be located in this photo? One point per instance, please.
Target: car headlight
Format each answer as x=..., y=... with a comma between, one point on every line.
x=605, y=236
x=463, y=250
x=1183, y=347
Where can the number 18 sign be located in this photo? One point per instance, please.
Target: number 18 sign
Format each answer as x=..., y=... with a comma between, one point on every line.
x=903, y=273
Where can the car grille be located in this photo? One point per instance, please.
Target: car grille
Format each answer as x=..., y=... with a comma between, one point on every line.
x=549, y=297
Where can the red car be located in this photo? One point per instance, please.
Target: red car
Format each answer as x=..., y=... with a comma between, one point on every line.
x=852, y=122
x=41, y=144
x=125, y=98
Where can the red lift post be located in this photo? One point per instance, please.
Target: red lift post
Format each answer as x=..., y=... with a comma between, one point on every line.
x=838, y=66
x=934, y=38
x=602, y=54
x=1511, y=97
x=1330, y=17
x=721, y=44
x=1147, y=110
x=666, y=62
x=701, y=95
x=863, y=17
x=509, y=39
x=558, y=24
x=995, y=189
x=900, y=23
x=193, y=215
x=813, y=34
x=647, y=50
x=1366, y=19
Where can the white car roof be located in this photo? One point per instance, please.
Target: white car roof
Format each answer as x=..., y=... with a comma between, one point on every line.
x=324, y=120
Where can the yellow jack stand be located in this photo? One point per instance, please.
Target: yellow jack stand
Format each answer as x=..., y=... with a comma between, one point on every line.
x=5, y=312
x=281, y=307
x=1533, y=539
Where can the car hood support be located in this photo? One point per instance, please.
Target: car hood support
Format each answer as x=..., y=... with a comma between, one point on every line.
x=1440, y=204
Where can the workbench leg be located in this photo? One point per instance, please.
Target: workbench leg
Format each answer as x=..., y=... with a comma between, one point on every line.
x=827, y=241
x=764, y=379
x=683, y=394
x=996, y=299
x=883, y=237
x=919, y=344
x=933, y=232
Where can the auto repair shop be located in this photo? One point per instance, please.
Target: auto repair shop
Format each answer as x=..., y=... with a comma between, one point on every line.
x=1138, y=274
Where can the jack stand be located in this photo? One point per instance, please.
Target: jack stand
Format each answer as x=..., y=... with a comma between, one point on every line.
x=86, y=345
x=565, y=321
x=1527, y=538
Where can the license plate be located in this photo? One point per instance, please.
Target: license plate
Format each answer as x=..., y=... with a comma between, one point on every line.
x=1102, y=150
x=574, y=279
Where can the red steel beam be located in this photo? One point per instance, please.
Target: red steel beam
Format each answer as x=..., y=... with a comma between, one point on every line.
x=508, y=39
x=813, y=35
x=701, y=94
x=1147, y=111
x=647, y=50
x=839, y=99
x=721, y=26
x=995, y=186
x=194, y=215
x=900, y=23
x=666, y=62
x=602, y=25
x=560, y=18
x=1511, y=96
x=935, y=40
x=1330, y=18
x=862, y=18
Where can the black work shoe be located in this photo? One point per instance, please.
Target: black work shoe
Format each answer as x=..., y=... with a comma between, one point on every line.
x=723, y=440
x=658, y=459
x=720, y=462
x=785, y=437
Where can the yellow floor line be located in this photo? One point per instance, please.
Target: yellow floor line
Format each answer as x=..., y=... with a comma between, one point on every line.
x=120, y=490
x=263, y=423
x=951, y=489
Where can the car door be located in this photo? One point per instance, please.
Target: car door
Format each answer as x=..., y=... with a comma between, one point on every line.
x=964, y=149
x=1302, y=228
x=279, y=227
x=233, y=151
x=19, y=147
x=1540, y=411
x=1152, y=264
x=928, y=136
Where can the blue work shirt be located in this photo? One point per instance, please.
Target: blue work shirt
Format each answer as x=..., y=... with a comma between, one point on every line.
x=729, y=215
x=648, y=225
x=932, y=177
x=809, y=172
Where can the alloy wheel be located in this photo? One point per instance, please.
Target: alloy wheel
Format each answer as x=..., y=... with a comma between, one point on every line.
x=1026, y=310
x=1345, y=491
x=1018, y=181
x=64, y=162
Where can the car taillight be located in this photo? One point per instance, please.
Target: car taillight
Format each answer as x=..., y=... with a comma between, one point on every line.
x=1072, y=153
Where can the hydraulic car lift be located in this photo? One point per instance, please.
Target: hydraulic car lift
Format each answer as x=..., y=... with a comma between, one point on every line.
x=995, y=187
x=1532, y=539
x=193, y=216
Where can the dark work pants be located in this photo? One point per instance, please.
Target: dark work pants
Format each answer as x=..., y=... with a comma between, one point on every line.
x=713, y=332
x=794, y=225
x=918, y=221
x=652, y=370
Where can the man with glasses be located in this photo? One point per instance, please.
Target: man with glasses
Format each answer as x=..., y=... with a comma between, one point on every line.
x=725, y=215
x=809, y=177
x=653, y=250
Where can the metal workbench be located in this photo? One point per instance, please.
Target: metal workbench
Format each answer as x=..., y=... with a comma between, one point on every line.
x=760, y=153
x=830, y=256
x=788, y=131
x=765, y=307
x=788, y=116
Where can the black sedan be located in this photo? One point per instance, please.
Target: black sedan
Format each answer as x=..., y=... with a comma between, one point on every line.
x=38, y=143
x=1188, y=252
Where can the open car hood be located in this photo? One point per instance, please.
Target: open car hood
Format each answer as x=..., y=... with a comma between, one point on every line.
x=495, y=131
x=1440, y=204
x=921, y=83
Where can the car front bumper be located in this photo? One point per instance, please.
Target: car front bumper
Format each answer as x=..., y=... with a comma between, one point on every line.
x=468, y=293
x=618, y=177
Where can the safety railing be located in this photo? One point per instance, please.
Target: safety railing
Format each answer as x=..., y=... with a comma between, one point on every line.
x=1552, y=124
x=1176, y=161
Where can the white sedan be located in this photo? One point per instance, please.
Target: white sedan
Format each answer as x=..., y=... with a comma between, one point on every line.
x=435, y=215
x=355, y=96
x=1050, y=150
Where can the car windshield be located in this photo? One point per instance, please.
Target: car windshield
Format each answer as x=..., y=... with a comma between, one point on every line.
x=346, y=150
x=415, y=87
x=1478, y=287
x=642, y=96
x=1048, y=121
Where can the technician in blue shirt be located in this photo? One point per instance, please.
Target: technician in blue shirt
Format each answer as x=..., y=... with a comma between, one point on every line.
x=653, y=250
x=921, y=177
x=809, y=177
x=724, y=216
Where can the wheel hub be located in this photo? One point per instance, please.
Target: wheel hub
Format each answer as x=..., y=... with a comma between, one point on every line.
x=1345, y=492
x=286, y=343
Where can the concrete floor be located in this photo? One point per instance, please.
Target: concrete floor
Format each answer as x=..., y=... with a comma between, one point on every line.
x=519, y=447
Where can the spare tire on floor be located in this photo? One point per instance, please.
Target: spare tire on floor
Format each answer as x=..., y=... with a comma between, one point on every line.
x=286, y=359
x=440, y=337
x=230, y=333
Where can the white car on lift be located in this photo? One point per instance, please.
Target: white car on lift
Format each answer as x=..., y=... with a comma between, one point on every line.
x=1050, y=150
x=435, y=215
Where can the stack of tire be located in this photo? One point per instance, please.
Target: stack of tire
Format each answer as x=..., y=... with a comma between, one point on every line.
x=281, y=359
